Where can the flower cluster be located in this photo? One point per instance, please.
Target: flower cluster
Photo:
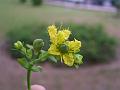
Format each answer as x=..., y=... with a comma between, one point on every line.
x=62, y=47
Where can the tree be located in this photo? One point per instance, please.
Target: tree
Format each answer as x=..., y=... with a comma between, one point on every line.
x=37, y=2
x=22, y=1
x=98, y=2
x=116, y=4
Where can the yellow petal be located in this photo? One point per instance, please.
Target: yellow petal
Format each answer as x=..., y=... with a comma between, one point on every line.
x=53, y=50
x=60, y=37
x=66, y=33
x=52, y=30
x=74, y=45
x=68, y=59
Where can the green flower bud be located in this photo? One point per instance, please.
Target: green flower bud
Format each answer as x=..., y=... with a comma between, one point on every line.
x=78, y=59
x=38, y=44
x=18, y=45
x=63, y=48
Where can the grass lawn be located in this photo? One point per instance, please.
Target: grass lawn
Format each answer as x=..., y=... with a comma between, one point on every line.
x=13, y=14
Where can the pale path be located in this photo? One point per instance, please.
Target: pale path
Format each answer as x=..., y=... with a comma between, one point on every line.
x=82, y=6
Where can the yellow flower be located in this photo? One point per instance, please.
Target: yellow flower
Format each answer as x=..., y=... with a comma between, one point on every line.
x=74, y=45
x=60, y=45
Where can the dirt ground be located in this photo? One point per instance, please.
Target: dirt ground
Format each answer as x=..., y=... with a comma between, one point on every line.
x=97, y=77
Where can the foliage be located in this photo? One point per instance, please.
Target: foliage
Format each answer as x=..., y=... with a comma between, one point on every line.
x=98, y=2
x=37, y=2
x=27, y=34
x=116, y=3
x=31, y=55
x=23, y=1
x=97, y=45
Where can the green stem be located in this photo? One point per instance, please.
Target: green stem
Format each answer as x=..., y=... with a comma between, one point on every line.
x=29, y=79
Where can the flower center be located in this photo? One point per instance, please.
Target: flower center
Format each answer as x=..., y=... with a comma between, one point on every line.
x=63, y=48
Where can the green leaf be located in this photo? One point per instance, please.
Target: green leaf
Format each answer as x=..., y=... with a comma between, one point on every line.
x=36, y=68
x=43, y=56
x=29, y=53
x=23, y=63
x=53, y=59
x=78, y=59
x=23, y=50
x=29, y=46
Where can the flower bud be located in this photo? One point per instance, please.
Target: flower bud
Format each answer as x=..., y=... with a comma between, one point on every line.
x=63, y=48
x=78, y=58
x=38, y=44
x=18, y=45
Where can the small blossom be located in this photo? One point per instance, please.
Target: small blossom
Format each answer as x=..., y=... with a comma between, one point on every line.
x=61, y=46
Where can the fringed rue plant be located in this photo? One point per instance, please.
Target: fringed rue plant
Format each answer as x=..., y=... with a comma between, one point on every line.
x=61, y=49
